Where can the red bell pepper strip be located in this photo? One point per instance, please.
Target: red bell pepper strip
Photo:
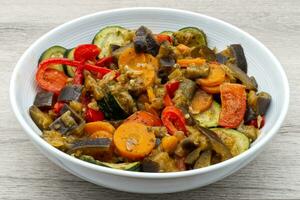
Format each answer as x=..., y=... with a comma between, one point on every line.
x=58, y=106
x=167, y=100
x=173, y=119
x=162, y=37
x=105, y=62
x=53, y=80
x=233, y=99
x=172, y=87
x=78, y=77
x=86, y=52
x=93, y=115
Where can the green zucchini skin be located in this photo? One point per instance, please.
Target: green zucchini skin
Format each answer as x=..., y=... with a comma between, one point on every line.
x=134, y=166
x=210, y=117
x=54, y=52
x=169, y=33
x=69, y=70
x=240, y=142
x=110, y=35
x=112, y=108
x=198, y=36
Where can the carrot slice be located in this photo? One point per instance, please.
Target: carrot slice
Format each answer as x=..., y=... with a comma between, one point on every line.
x=134, y=140
x=145, y=118
x=215, y=77
x=101, y=134
x=233, y=98
x=92, y=127
x=211, y=90
x=190, y=61
x=200, y=102
x=144, y=64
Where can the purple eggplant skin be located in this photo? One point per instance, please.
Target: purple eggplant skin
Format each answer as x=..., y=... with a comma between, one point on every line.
x=238, y=53
x=249, y=115
x=69, y=122
x=44, y=100
x=221, y=59
x=149, y=165
x=262, y=103
x=144, y=42
x=70, y=93
x=91, y=146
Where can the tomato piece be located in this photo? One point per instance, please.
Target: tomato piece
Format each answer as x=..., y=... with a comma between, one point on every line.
x=173, y=119
x=86, y=52
x=50, y=79
x=93, y=115
x=233, y=99
x=162, y=37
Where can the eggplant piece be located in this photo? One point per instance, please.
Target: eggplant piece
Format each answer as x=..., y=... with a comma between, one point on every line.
x=217, y=145
x=188, y=144
x=204, y=159
x=249, y=115
x=134, y=166
x=70, y=93
x=184, y=93
x=194, y=72
x=192, y=157
x=41, y=119
x=114, y=47
x=149, y=165
x=221, y=59
x=91, y=146
x=68, y=123
x=242, y=76
x=262, y=103
x=44, y=99
x=144, y=42
x=239, y=56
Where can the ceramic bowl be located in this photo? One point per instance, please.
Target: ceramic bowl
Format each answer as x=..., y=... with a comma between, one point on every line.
x=261, y=63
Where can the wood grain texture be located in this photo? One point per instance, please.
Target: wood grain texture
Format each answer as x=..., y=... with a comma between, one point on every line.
x=26, y=174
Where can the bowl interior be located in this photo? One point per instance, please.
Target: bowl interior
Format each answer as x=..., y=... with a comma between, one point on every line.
x=261, y=63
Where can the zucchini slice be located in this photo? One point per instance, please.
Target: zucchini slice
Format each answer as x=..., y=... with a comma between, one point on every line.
x=210, y=117
x=118, y=111
x=236, y=141
x=169, y=33
x=54, y=52
x=69, y=70
x=134, y=166
x=105, y=108
x=116, y=35
x=190, y=36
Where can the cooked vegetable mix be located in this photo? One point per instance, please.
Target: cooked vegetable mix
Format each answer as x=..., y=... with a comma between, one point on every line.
x=139, y=101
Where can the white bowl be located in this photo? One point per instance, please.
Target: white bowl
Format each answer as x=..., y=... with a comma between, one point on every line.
x=261, y=63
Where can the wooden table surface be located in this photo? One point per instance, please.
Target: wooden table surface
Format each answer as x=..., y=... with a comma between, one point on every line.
x=26, y=174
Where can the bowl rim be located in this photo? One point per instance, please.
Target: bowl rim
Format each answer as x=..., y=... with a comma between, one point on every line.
x=61, y=155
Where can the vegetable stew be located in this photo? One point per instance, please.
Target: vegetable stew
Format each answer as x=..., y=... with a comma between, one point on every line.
x=141, y=101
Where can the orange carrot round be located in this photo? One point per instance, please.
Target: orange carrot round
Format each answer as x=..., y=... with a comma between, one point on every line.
x=92, y=127
x=211, y=90
x=101, y=134
x=145, y=118
x=134, y=140
x=215, y=77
